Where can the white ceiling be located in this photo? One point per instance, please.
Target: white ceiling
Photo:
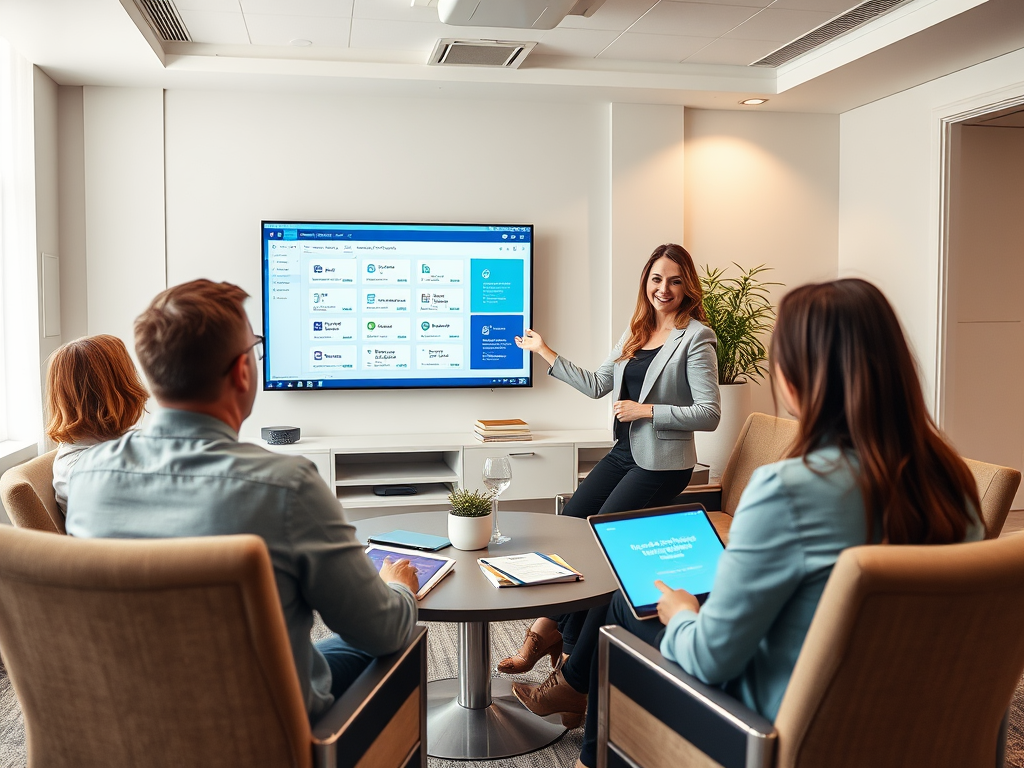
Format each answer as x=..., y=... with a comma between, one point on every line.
x=647, y=51
x=669, y=31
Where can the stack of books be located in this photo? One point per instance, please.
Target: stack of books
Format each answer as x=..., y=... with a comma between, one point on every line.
x=501, y=430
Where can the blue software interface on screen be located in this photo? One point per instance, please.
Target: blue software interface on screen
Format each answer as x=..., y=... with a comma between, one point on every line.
x=395, y=305
x=680, y=548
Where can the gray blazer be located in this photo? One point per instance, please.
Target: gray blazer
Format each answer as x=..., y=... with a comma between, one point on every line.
x=682, y=384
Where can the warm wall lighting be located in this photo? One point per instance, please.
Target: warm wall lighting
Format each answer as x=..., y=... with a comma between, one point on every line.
x=753, y=102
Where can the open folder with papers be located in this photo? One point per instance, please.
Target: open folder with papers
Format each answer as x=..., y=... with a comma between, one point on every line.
x=526, y=569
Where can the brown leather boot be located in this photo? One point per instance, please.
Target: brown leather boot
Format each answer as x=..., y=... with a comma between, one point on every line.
x=533, y=649
x=553, y=697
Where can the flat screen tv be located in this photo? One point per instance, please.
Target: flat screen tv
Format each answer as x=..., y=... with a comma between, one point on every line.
x=395, y=306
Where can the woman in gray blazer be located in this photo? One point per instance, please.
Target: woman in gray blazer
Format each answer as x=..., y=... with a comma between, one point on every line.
x=664, y=374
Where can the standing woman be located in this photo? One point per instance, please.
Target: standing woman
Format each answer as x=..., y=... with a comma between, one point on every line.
x=664, y=373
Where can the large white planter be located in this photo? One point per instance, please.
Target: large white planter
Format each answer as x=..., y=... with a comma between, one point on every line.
x=713, y=448
x=469, y=532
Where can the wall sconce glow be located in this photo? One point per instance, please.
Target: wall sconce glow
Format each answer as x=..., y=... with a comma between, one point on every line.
x=753, y=102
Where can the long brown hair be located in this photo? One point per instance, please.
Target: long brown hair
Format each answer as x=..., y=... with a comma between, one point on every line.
x=93, y=391
x=841, y=348
x=643, y=323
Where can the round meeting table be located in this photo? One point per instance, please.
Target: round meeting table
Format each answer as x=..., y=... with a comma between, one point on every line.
x=473, y=717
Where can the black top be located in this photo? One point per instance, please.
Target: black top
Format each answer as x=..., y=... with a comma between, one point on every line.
x=632, y=383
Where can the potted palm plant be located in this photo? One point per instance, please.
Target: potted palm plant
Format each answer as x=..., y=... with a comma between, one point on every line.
x=469, y=519
x=740, y=312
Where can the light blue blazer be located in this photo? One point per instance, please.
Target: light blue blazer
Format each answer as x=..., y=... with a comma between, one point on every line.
x=789, y=528
x=681, y=383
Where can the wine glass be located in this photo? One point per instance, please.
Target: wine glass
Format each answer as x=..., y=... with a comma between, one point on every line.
x=497, y=477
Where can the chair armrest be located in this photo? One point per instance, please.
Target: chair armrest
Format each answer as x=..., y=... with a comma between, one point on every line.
x=384, y=710
x=709, y=496
x=652, y=713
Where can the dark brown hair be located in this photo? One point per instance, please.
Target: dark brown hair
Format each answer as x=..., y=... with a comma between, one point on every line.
x=841, y=348
x=643, y=323
x=93, y=391
x=188, y=336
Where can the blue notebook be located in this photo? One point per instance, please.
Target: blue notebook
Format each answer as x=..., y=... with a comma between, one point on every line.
x=411, y=540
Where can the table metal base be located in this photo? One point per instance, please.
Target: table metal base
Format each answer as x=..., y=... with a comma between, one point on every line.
x=503, y=729
x=476, y=718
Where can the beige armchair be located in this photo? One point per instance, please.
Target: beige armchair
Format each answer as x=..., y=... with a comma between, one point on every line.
x=911, y=660
x=766, y=439
x=27, y=494
x=996, y=489
x=763, y=440
x=174, y=652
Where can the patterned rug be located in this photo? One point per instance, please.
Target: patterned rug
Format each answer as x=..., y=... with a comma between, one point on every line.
x=441, y=656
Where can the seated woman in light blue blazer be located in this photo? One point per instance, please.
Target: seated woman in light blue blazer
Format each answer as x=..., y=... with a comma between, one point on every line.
x=868, y=465
x=663, y=373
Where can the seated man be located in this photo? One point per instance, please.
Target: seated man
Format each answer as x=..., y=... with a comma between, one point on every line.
x=186, y=474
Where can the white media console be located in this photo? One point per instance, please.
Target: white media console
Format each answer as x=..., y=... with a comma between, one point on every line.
x=553, y=462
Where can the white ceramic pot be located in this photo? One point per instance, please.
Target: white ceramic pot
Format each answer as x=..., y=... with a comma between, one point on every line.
x=469, y=532
x=713, y=448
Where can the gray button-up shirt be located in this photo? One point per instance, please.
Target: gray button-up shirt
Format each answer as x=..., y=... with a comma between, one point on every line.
x=186, y=474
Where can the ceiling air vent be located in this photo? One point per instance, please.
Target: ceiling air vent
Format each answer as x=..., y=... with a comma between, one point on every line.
x=829, y=31
x=451, y=52
x=164, y=18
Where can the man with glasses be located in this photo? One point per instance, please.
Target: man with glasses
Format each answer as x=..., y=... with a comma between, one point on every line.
x=186, y=474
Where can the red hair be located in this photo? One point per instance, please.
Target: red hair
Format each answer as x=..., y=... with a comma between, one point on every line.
x=93, y=391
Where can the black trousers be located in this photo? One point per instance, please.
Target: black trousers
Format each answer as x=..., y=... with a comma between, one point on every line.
x=617, y=484
x=581, y=672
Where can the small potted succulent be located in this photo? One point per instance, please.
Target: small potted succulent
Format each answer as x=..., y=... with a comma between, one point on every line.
x=469, y=519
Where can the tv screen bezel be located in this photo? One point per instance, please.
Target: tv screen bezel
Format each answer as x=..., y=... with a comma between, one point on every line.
x=396, y=386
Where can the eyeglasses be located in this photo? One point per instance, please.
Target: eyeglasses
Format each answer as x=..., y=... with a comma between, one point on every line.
x=257, y=345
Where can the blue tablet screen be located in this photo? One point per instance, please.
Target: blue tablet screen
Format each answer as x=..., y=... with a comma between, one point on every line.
x=679, y=548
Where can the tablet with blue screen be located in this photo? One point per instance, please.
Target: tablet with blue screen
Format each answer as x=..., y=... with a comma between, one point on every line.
x=677, y=545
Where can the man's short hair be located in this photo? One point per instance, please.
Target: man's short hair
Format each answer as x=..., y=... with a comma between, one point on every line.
x=188, y=336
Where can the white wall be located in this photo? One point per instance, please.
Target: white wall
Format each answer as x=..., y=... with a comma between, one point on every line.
x=236, y=158
x=74, y=305
x=124, y=205
x=890, y=193
x=763, y=188
x=985, y=401
x=603, y=184
x=647, y=188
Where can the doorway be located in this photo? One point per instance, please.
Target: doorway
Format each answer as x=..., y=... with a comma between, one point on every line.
x=982, y=407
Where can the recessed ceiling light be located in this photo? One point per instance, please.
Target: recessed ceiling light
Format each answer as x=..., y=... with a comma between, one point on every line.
x=299, y=42
x=753, y=102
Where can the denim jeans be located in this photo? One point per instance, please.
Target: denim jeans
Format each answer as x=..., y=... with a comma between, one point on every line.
x=345, y=662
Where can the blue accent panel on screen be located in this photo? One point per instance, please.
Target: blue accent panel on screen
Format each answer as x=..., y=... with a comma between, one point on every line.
x=493, y=342
x=497, y=285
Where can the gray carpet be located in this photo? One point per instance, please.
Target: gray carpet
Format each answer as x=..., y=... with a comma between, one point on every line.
x=441, y=656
